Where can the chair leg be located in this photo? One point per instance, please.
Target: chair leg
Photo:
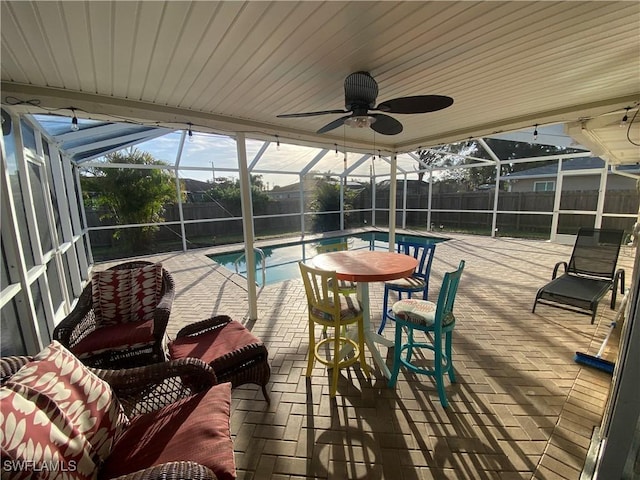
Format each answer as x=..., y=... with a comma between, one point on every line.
x=265, y=394
x=336, y=361
x=363, y=363
x=396, y=356
x=439, y=374
x=449, y=354
x=385, y=307
x=312, y=349
x=410, y=343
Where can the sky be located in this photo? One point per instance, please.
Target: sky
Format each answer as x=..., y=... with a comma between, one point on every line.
x=206, y=155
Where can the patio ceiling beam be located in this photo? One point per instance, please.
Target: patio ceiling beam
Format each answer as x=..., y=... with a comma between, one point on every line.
x=105, y=108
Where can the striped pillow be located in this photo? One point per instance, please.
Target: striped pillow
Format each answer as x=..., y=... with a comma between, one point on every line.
x=126, y=295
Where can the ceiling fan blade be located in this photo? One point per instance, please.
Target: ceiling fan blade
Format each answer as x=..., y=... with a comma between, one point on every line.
x=334, y=124
x=385, y=124
x=416, y=104
x=310, y=114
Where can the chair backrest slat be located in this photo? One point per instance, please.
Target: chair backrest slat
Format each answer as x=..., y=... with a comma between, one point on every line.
x=595, y=252
x=448, y=291
x=422, y=252
x=321, y=287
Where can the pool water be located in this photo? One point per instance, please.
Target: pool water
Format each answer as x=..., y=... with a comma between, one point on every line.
x=282, y=260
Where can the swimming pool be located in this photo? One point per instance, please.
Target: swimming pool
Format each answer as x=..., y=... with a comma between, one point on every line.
x=282, y=260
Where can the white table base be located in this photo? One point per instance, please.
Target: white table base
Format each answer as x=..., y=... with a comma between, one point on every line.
x=371, y=337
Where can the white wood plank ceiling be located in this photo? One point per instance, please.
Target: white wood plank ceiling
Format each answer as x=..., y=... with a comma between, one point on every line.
x=233, y=66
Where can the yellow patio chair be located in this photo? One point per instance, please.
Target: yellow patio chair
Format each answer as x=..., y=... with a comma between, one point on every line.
x=332, y=310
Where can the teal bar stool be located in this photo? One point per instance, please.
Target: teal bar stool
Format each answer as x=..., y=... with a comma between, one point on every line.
x=417, y=282
x=436, y=319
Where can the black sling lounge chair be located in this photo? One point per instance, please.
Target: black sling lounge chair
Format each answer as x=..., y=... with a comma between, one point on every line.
x=590, y=274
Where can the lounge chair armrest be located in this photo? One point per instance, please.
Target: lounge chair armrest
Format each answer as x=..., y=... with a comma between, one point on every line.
x=191, y=470
x=555, y=269
x=149, y=388
x=204, y=326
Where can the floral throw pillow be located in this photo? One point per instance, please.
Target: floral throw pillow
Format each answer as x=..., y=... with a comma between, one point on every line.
x=126, y=295
x=57, y=419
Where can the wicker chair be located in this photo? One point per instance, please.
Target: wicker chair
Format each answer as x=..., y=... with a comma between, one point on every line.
x=235, y=354
x=81, y=328
x=158, y=400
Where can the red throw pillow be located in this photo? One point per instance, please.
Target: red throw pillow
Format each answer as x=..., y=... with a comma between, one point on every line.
x=126, y=295
x=57, y=419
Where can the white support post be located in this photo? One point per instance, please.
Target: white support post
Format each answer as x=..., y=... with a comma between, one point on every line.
x=392, y=203
x=183, y=231
x=404, y=202
x=342, y=185
x=302, y=204
x=494, y=216
x=602, y=189
x=373, y=198
x=429, y=200
x=556, y=204
x=247, y=225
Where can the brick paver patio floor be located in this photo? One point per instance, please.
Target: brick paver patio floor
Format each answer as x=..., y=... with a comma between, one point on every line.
x=521, y=408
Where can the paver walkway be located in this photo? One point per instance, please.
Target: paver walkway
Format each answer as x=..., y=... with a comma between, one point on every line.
x=522, y=408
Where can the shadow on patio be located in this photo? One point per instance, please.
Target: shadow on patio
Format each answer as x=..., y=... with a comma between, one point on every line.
x=522, y=408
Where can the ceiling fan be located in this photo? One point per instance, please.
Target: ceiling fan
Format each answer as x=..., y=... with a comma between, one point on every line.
x=360, y=93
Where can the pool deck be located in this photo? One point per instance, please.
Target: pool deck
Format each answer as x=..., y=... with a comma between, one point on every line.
x=521, y=407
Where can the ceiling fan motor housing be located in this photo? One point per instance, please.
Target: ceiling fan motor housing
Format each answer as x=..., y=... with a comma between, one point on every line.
x=360, y=91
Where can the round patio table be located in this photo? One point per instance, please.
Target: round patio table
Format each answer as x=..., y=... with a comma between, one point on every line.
x=364, y=266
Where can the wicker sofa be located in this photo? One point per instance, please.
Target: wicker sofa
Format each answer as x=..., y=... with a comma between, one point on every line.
x=167, y=420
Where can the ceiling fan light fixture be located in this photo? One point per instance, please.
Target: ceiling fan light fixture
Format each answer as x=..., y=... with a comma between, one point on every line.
x=360, y=121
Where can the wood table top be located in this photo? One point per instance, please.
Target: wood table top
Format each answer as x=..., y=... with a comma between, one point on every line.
x=366, y=265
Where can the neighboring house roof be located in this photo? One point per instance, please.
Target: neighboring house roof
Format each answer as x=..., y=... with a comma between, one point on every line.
x=192, y=185
x=583, y=163
x=310, y=185
x=387, y=183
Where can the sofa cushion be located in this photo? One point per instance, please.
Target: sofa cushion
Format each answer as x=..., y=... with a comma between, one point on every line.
x=420, y=312
x=223, y=348
x=126, y=295
x=122, y=336
x=58, y=417
x=193, y=429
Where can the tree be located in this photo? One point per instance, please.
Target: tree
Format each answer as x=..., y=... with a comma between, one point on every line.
x=455, y=153
x=228, y=191
x=131, y=195
x=327, y=199
x=443, y=156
